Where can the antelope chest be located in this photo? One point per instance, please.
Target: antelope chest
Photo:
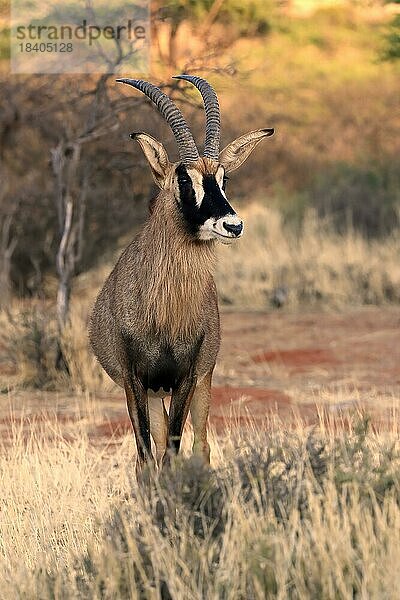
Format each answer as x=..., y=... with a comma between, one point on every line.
x=161, y=365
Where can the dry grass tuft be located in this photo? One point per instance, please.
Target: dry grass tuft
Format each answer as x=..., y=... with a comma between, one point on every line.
x=85, y=372
x=282, y=514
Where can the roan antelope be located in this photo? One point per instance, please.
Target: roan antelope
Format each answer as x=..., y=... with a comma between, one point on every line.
x=155, y=324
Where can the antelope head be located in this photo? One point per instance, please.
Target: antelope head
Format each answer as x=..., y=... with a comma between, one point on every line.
x=198, y=183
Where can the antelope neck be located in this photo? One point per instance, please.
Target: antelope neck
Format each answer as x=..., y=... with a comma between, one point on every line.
x=176, y=271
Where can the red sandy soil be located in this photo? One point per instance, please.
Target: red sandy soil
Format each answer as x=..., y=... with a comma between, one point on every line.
x=270, y=363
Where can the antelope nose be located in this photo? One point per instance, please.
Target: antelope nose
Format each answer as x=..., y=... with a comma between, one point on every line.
x=235, y=229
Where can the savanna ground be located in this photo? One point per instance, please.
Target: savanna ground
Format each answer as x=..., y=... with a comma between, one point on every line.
x=288, y=365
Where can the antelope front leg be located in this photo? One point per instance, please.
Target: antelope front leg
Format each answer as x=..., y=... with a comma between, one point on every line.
x=158, y=427
x=138, y=408
x=199, y=409
x=180, y=402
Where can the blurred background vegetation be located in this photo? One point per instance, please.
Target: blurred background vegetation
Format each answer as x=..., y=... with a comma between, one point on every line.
x=325, y=74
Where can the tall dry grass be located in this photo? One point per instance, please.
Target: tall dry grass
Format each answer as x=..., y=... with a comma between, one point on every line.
x=313, y=265
x=282, y=514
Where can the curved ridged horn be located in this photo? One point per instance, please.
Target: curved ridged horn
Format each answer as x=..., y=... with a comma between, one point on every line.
x=171, y=113
x=213, y=117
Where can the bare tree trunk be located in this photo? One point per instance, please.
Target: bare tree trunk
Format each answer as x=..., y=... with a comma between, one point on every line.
x=65, y=265
x=70, y=202
x=7, y=247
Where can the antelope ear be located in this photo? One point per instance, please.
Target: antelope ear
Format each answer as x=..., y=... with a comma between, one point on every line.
x=156, y=155
x=235, y=153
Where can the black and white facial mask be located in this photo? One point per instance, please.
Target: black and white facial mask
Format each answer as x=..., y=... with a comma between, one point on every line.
x=205, y=209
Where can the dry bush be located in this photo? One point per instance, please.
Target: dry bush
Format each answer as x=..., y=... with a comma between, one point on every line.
x=300, y=514
x=85, y=372
x=28, y=342
x=27, y=339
